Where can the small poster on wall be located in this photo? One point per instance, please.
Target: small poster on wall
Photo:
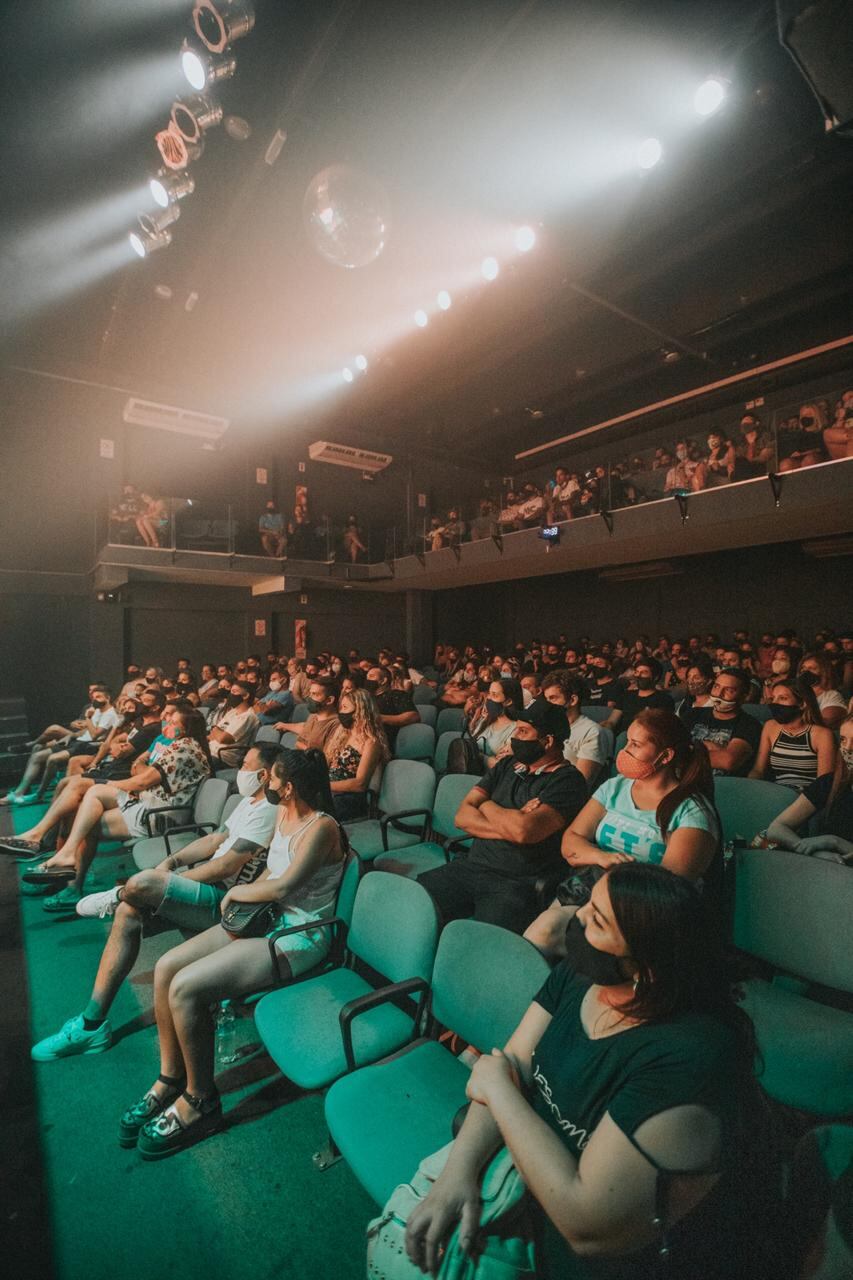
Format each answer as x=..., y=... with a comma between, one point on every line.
x=260, y=626
x=260, y=475
x=300, y=638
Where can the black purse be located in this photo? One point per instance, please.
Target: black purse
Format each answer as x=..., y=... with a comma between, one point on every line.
x=249, y=919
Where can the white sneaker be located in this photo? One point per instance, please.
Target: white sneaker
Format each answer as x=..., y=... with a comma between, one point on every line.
x=99, y=904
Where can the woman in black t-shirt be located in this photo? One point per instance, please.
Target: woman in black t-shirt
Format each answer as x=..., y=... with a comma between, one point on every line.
x=831, y=798
x=624, y=1107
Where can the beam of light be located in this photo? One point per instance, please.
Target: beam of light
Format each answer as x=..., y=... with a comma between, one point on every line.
x=53, y=239
x=709, y=97
x=490, y=268
x=525, y=239
x=444, y=300
x=64, y=279
x=649, y=153
x=361, y=363
x=201, y=71
x=421, y=319
x=348, y=375
x=167, y=188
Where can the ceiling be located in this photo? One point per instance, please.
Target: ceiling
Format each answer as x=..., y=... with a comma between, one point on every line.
x=475, y=117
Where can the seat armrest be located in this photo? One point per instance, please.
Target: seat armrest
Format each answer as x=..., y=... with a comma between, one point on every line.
x=336, y=923
x=200, y=827
x=372, y=1000
x=394, y=819
x=455, y=844
x=153, y=814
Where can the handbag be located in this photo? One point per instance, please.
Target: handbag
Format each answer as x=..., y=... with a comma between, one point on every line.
x=505, y=1247
x=249, y=919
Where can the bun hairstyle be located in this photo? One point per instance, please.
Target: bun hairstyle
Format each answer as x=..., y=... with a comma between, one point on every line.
x=690, y=763
x=308, y=773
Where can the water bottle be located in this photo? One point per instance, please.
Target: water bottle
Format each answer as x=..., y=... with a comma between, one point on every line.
x=226, y=1034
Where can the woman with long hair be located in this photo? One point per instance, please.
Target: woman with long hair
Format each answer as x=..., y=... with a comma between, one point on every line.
x=827, y=804
x=625, y=1107
x=304, y=867
x=353, y=752
x=658, y=809
x=795, y=747
x=492, y=723
x=817, y=670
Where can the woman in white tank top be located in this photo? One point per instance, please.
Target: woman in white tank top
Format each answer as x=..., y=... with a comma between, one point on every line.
x=304, y=868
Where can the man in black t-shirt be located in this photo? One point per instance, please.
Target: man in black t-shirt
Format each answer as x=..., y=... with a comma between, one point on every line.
x=647, y=672
x=396, y=707
x=730, y=734
x=517, y=814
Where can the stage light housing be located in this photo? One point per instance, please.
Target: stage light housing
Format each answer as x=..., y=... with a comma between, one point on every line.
x=649, y=153
x=192, y=117
x=490, y=268
x=421, y=319
x=218, y=26
x=348, y=375
x=444, y=300
x=201, y=71
x=153, y=223
x=167, y=189
x=710, y=96
x=143, y=244
x=361, y=363
x=525, y=239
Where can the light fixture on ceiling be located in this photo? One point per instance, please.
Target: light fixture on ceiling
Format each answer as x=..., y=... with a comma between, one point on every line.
x=201, y=71
x=490, y=268
x=153, y=223
x=421, y=319
x=525, y=239
x=444, y=300
x=649, y=153
x=710, y=96
x=348, y=375
x=361, y=363
x=218, y=26
x=167, y=189
x=194, y=116
x=143, y=244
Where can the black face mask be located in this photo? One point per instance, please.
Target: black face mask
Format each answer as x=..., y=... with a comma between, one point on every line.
x=526, y=752
x=601, y=967
x=374, y=686
x=645, y=682
x=236, y=698
x=783, y=714
x=313, y=705
x=494, y=708
x=810, y=678
x=272, y=797
x=347, y=718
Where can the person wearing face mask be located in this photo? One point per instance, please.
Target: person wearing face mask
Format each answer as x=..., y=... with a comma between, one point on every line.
x=658, y=809
x=679, y=477
x=271, y=530
x=233, y=726
x=827, y=804
x=305, y=863
x=719, y=465
x=647, y=673
x=730, y=734
x=322, y=704
x=353, y=752
x=531, y=688
x=134, y=677
x=137, y=733
x=587, y=746
x=755, y=452
x=816, y=670
x=184, y=890
x=516, y=814
x=699, y=678
x=459, y=688
x=493, y=723
x=396, y=707
x=795, y=748
x=277, y=704
x=100, y=718
x=781, y=667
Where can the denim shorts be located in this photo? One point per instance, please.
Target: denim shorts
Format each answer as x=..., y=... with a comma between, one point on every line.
x=190, y=904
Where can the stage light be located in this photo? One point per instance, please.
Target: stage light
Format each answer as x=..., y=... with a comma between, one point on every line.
x=194, y=116
x=201, y=71
x=525, y=239
x=216, y=30
x=490, y=268
x=444, y=300
x=361, y=363
x=421, y=319
x=348, y=375
x=649, y=153
x=143, y=244
x=167, y=189
x=153, y=223
x=709, y=97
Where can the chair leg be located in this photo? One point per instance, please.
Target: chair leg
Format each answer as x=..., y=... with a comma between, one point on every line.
x=326, y=1156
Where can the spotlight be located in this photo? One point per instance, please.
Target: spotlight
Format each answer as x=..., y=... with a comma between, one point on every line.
x=175, y=152
x=525, y=239
x=490, y=268
x=143, y=244
x=215, y=30
x=194, y=116
x=649, y=153
x=709, y=97
x=153, y=223
x=421, y=319
x=348, y=375
x=166, y=189
x=361, y=363
x=444, y=300
x=201, y=71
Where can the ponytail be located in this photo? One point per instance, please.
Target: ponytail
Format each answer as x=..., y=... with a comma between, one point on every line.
x=691, y=764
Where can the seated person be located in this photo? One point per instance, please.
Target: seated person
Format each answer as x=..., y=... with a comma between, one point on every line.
x=493, y=722
x=396, y=707
x=586, y=746
x=138, y=732
x=816, y=669
x=271, y=530
x=625, y=1106
x=118, y=810
x=232, y=727
x=153, y=521
x=531, y=687
x=99, y=719
x=277, y=703
x=484, y=525
x=208, y=684
x=185, y=890
x=322, y=704
x=730, y=734
x=647, y=695
x=795, y=747
x=698, y=684
x=838, y=439
x=354, y=751
x=134, y=683
x=300, y=681
x=830, y=797
x=719, y=466
x=461, y=685
x=124, y=513
x=755, y=453
x=305, y=864
x=516, y=814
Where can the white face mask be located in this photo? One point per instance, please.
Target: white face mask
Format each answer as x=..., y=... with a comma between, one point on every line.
x=275, y=685
x=527, y=697
x=248, y=781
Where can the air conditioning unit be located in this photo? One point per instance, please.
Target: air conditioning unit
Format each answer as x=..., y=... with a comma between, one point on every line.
x=168, y=417
x=344, y=455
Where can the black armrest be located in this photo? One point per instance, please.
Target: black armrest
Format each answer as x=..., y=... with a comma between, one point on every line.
x=371, y=1000
x=393, y=818
x=153, y=814
x=455, y=844
x=200, y=827
x=336, y=923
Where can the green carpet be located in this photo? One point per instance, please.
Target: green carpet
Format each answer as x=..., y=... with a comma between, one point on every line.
x=244, y=1203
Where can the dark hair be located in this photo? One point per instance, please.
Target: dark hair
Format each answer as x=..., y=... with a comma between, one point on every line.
x=158, y=696
x=309, y=773
x=743, y=677
x=842, y=779
x=568, y=684
x=701, y=662
x=195, y=727
x=690, y=763
x=650, y=662
x=247, y=689
x=328, y=684
x=804, y=694
x=268, y=753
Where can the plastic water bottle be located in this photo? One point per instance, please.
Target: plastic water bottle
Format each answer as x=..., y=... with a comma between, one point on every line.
x=226, y=1034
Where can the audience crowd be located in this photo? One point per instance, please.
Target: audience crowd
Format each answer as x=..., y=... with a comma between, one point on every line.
x=591, y=829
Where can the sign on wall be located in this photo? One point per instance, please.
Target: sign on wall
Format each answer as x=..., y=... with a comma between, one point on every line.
x=260, y=626
x=260, y=475
x=300, y=638
x=108, y=448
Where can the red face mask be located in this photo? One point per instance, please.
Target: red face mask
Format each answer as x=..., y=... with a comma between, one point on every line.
x=636, y=770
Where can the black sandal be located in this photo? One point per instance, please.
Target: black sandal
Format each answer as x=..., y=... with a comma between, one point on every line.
x=167, y=1133
x=147, y=1108
x=43, y=874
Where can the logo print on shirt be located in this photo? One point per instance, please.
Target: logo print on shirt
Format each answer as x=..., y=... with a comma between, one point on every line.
x=566, y=1125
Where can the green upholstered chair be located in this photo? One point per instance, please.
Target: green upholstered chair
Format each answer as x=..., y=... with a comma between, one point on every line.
x=408, y=786
x=748, y=805
x=449, y=718
x=423, y=695
x=206, y=815
x=427, y=713
x=415, y=742
x=444, y=834
x=442, y=746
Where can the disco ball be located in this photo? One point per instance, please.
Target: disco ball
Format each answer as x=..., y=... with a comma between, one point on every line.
x=346, y=216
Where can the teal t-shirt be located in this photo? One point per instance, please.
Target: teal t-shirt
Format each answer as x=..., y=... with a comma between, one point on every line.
x=627, y=829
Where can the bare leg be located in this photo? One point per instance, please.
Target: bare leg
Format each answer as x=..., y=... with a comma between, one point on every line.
x=64, y=804
x=171, y=1055
x=55, y=761
x=142, y=530
x=39, y=757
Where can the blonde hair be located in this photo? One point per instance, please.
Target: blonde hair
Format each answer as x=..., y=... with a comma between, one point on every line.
x=366, y=723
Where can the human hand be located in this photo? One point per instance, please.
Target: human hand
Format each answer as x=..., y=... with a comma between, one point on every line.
x=226, y=902
x=452, y=1200
x=812, y=845
x=608, y=860
x=531, y=806
x=491, y=1071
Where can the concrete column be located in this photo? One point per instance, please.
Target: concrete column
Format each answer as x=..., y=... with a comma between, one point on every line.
x=420, y=641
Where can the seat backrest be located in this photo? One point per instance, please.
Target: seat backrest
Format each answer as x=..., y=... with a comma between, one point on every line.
x=210, y=801
x=442, y=747
x=758, y=710
x=607, y=742
x=794, y=912
x=451, y=791
x=415, y=742
x=748, y=805
x=300, y=713
x=596, y=711
x=394, y=927
x=230, y=805
x=268, y=733
x=484, y=979
x=406, y=784
x=422, y=694
x=621, y=741
x=450, y=718
x=348, y=888
x=289, y=739
x=427, y=713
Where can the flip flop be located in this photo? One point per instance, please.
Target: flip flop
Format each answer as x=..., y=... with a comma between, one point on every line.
x=14, y=844
x=49, y=875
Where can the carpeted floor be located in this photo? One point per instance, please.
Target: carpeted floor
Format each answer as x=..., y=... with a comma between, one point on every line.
x=245, y=1203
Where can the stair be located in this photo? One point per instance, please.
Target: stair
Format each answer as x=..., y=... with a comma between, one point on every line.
x=14, y=732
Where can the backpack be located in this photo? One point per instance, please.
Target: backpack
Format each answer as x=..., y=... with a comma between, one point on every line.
x=463, y=756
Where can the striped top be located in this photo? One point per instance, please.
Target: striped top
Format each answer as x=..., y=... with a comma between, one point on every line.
x=793, y=760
